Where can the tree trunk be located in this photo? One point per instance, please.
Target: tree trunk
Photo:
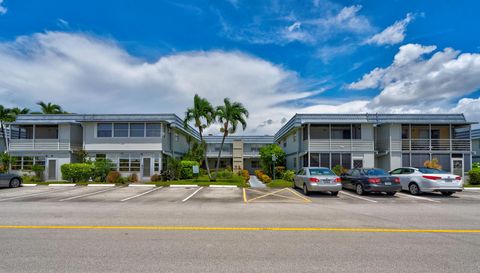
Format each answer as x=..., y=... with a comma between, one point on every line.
x=205, y=153
x=225, y=133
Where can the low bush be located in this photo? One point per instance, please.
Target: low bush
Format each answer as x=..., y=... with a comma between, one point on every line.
x=133, y=178
x=39, y=172
x=113, y=177
x=76, y=172
x=338, y=170
x=101, y=168
x=474, y=176
x=258, y=173
x=476, y=165
x=29, y=179
x=155, y=177
x=265, y=179
x=225, y=174
x=288, y=175
x=186, y=171
x=245, y=174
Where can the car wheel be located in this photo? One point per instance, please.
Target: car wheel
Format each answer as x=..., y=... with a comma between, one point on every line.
x=414, y=189
x=447, y=193
x=359, y=189
x=391, y=193
x=14, y=183
x=334, y=193
x=305, y=190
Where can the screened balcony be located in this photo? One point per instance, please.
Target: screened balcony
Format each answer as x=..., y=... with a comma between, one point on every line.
x=433, y=138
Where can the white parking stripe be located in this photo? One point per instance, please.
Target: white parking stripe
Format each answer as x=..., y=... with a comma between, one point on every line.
x=417, y=197
x=359, y=197
x=33, y=194
x=87, y=194
x=141, y=194
x=192, y=194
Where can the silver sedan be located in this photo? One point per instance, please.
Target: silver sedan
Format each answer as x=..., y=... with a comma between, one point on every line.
x=10, y=180
x=317, y=179
x=418, y=180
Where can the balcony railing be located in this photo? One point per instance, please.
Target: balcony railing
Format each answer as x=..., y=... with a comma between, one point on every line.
x=433, y=144
x=41, y=145
x=341, y=145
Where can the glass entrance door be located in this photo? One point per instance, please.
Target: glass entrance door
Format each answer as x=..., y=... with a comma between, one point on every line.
x=457, y=166
x=147, y=167
x=52, y=169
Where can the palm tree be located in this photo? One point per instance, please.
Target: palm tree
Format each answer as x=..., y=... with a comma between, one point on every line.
x=19, y=111
x=202, y=114
x=50, y=108
x=229, y=115
x=5, y=116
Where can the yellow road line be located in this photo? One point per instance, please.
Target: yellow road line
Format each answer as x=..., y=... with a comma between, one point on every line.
x=296, y=193
x=205, y=228
x=275, y=193
x=244, y=196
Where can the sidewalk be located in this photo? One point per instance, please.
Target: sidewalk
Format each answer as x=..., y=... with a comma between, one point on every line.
x=255, y=183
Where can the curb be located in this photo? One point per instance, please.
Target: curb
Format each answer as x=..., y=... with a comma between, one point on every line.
x=100, y=185
x=143, y=185
x=62, y=185
x=28, y=185
x=223, y=186
x=183, y=186
x=472, y=189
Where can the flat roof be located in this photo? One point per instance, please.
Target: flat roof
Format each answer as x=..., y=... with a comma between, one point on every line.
x=265, y=139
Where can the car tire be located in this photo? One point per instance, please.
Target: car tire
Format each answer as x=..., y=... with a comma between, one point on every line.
x=447, y=193
x=334, y=193
x=305, y=190
x=14, y=183
x=391, y=193
x=359, y=189
x=414, y=189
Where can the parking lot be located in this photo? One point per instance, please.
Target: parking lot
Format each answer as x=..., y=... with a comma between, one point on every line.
x=147, y=194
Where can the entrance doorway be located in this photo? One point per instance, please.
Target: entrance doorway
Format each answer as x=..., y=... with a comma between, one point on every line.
x=52, y=169
x=457, y=166
x=147, y=167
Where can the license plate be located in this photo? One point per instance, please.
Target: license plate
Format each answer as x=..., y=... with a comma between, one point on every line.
x=388, y=183
x=326, y=181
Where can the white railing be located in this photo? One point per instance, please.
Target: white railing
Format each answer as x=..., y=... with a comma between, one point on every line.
x=40, y=145
x=436, y=144
x=341, y=145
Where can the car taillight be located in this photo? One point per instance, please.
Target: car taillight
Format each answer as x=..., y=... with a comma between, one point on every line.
x=431, y=177
x=313, y=179
x=374, y=180
x=458, y=178
x=338, y=179
x=396, y=180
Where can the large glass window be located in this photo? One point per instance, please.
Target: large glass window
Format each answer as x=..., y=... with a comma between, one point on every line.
x=16, y=163
x=319, y=132
x=335, y=160
x=347, y=161
x=124, y=165
x=341, y=131
x=120, y=130
x=406, y=160
x=104, y=130
x=357, y=131
x=314, y=160
x=325, y=160
x=22, y=132
x=46, y=131
x=153, y=129
x=40, y=160
x=137, y=129
x=305, y=132
x=27, y=163
x=405, y=131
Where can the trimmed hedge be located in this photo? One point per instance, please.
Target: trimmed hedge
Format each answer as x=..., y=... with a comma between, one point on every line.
x=186, y=168
x=474, y=176
x=76, y=172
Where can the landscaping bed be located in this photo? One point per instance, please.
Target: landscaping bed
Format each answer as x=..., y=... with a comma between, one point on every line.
x=280, y=183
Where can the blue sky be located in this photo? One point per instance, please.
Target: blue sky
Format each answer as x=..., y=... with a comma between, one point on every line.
x=277, y=57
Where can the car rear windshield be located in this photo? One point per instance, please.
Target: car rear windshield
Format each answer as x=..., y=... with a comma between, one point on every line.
x=321, y=171
x=375, y=172
x=431, y=171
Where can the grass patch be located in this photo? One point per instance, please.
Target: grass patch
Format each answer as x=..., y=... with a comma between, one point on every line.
x=204, y=181
x=280, y=183
x=471, y=186
x=83, y=183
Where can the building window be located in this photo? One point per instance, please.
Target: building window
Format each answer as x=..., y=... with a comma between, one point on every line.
x=356, y=131
x=305, y=132
x=341, y=132
x=405, y=131
x=129, y=165
x=40, y=160
x=22, y=132
x=294, y=137
x=134, y=165
x=137, y=129
x=295, y=163
x=156, y=165
x=16, y=163
x=153, y=129
x=255, y=164
x=104, y=130
x=25, y=163
x=177, y=137
x=46, y=132
x=325, y=160
x=346, y=161
x=314, y=160
x=284, y=143
x=357, y=163
x=120, y=130
x=319, y=132
x=335, y=160
x=100, y=156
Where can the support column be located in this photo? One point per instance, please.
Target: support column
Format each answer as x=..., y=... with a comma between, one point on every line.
x=308, y=146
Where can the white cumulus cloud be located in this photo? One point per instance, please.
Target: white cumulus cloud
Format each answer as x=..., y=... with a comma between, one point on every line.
x=3, y=9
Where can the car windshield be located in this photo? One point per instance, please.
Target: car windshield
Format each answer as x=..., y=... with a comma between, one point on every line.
x=321, y=171
x=431, y=171
x=375, y=172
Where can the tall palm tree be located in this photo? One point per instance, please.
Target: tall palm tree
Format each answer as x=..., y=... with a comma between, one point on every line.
x=19, y=111
x=202, y=114
x=229, y=115
x=50, y=108
x=5, y=116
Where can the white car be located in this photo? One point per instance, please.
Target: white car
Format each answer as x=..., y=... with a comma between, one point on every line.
x=418, y=180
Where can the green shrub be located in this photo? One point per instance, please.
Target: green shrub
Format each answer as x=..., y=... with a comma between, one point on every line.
x=155, y=177
x=174, y=169
x=186, y=168
x=288, y=175
x=113, y=177
x=101, y=168
x=476, y=165
x=225, y=174
x=29, y=179
x=133, y=178
x=266, y=179
x=474, y=176
x=338, y=170
x=77, y=171
x=38, y=170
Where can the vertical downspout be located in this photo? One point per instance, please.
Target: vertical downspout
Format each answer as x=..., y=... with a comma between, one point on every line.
x=308, y=146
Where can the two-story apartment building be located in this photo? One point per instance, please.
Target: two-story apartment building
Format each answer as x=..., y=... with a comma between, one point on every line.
x=239, y=152
x=476, y=145
x=385, y=141
x=135, y=143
